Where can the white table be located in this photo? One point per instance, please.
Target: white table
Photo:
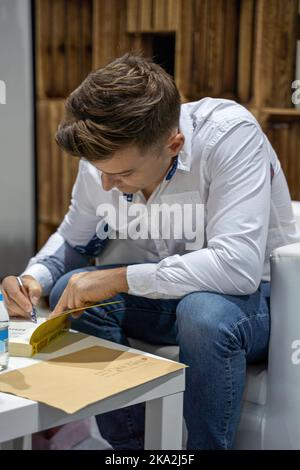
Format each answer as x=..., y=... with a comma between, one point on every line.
x=19, y=417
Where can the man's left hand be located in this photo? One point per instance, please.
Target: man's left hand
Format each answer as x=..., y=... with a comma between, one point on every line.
x=88, y=288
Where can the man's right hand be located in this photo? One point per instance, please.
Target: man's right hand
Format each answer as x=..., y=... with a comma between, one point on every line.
x=17, y=303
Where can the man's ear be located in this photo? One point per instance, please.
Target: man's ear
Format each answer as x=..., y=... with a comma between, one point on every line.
x=175, y=144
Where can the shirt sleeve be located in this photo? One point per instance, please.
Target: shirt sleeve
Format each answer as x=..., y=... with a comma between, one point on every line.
x=74, y=244
x=236, y=228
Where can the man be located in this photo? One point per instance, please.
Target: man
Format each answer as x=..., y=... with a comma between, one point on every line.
x=210, y=294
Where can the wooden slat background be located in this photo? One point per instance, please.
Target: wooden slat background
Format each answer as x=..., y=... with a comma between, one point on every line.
x=237, y=49
x=275, y=52
x=56, y=170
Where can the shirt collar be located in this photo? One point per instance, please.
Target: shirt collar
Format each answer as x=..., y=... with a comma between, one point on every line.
x=173, y=169
x=186, y=127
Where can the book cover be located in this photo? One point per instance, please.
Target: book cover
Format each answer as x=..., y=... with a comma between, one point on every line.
x=27, y=338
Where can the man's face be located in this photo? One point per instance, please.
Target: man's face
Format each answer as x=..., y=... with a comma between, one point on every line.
x=131, y=169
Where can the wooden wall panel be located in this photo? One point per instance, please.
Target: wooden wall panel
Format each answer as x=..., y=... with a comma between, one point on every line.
x=245, y=50
x=206, y=53
x=230, y=47
x=116, y=34
x=43, y=9
x=213, y=66
x=173, y=15
x=109, y=37
x=58, y=49
x=160, y=15
x=63, y=45
x=184, y=48
x=86, y=37
x=56, y=169
x=73, y=39
x=284, y=137
x=275, y=52
x=54, y=116
x=145, y=22
x=150, y=16
x=237, y=49
x=134, y=16
x=43, y=161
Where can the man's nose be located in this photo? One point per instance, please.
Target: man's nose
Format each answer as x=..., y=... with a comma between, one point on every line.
x=108, y=181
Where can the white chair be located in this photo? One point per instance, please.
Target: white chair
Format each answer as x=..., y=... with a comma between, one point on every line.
x=270, y=417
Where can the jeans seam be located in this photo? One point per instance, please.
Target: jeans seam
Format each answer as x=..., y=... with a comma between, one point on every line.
x=227, y=415
x=227, y=418
x=150, y=310
x=137, y=309
x=243, y=320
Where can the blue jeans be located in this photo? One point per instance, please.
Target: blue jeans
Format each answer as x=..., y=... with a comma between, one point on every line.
x=217, y=335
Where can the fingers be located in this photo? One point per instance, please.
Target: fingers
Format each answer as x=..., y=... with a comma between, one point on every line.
x=13, y=309
x=69, y=299
x=17, y=303
x=34, y=289
x=60, y=306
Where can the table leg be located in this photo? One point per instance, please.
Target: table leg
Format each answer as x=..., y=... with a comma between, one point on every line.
x=163, y=423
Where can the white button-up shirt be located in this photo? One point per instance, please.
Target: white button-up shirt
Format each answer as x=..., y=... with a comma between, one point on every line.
x=228, y=167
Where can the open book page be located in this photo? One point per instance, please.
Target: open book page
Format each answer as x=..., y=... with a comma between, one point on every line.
x=27, y=338
x=20, y=330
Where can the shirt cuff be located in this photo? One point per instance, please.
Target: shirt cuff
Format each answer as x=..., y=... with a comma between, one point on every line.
x=42, y=275
x=141, y=280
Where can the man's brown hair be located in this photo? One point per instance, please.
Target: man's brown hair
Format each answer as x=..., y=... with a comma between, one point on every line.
x=130, y=101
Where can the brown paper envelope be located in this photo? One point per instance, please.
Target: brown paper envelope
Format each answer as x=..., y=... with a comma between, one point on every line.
x=76, y=380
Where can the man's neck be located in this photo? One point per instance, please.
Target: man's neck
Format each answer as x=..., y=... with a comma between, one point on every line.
x=148, y=191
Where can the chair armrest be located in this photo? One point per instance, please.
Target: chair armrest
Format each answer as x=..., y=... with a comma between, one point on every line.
x=282, y=409
x=283, y=374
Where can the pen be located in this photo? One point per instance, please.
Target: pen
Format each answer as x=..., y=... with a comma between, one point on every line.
x=33, y=311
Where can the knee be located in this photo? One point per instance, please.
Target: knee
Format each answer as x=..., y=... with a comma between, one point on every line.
x=202, y=315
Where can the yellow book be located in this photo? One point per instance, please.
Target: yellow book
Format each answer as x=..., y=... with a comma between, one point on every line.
x=26, y=338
